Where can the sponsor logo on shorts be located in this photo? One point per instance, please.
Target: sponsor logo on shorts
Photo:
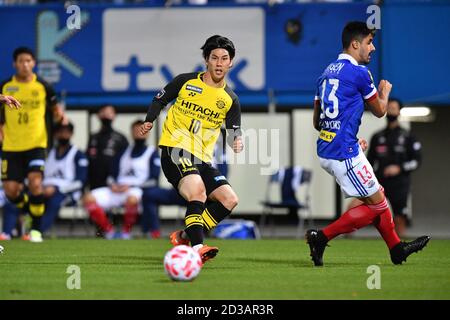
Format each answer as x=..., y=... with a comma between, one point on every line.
x=189, y=169
x=219, y=178
x=371, y=183
x=194, y=88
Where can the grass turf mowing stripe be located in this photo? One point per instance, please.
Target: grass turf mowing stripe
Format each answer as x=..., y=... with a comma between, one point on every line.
x=244, y=269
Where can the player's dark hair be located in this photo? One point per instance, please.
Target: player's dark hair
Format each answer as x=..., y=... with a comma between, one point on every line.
x=137, y=123
x=21, y=50
x=216, y=42
x=355, y=30
x=59, y=126
x=400, y=103
x=105, y=106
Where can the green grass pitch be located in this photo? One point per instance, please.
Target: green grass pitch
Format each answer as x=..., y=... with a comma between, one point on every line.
x=244, y=269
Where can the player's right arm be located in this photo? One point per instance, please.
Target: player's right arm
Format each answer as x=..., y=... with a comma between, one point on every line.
x=162, y=99
x=317, y=105
x=376, y=100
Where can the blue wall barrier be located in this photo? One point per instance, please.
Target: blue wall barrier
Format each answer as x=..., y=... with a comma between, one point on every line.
x=123, y=55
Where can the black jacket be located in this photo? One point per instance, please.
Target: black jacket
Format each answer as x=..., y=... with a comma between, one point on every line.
x=102, y=148
x=394, y=146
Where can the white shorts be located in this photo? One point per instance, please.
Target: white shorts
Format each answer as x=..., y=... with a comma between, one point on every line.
x=355, y=176
x=107, y=199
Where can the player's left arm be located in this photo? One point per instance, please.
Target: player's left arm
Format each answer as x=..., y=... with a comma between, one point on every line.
x=363, y=144
x=233, y=126
x=52, y=103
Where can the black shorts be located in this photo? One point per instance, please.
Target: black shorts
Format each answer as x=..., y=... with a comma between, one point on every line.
x=177, y=163
x=17, y=165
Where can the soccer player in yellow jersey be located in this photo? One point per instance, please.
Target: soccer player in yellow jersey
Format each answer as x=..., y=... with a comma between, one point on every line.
x=203, y=102
x=25, y=136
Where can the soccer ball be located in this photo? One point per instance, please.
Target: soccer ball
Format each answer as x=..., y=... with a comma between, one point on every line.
x=1, y=249
x=182, y=263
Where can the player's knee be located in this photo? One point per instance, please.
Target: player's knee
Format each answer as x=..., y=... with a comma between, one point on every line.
x=132, y=201
x=230, y=201
x=88, y=199
x=198, y=195
x=194, y=192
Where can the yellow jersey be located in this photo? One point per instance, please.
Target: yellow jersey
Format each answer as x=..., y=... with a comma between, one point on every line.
x=194, y=120
x=26, y=128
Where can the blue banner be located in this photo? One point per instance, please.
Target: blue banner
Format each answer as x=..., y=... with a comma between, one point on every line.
x=303, y=39
x=127, y=53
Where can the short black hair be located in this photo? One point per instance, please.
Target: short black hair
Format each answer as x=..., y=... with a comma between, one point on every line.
x=21, y=50
x=216, y=42
x=355, y=30
x=59, y=126
x=400, y=103
x=137, y=123
x=105, y=106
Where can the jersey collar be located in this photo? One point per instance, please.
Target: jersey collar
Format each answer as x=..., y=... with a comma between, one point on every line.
x=345, y=56
x=200, y=77
x=32, y=80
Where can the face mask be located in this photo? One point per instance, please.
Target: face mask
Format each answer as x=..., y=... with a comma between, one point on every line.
x=63, y=142
x=391, y=118
x=106, y=123
x=139, y=142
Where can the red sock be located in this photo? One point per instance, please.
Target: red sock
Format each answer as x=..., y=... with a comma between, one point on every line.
x=130, y=217
x=359, y=217
x=98, y=216
x=156, y=234
x=386, y=227
x=350, y=221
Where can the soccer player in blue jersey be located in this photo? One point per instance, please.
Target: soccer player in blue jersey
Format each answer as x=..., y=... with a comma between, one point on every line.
x=342, y=90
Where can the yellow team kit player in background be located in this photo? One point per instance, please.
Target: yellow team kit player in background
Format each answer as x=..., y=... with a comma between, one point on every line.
x=25, y=136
